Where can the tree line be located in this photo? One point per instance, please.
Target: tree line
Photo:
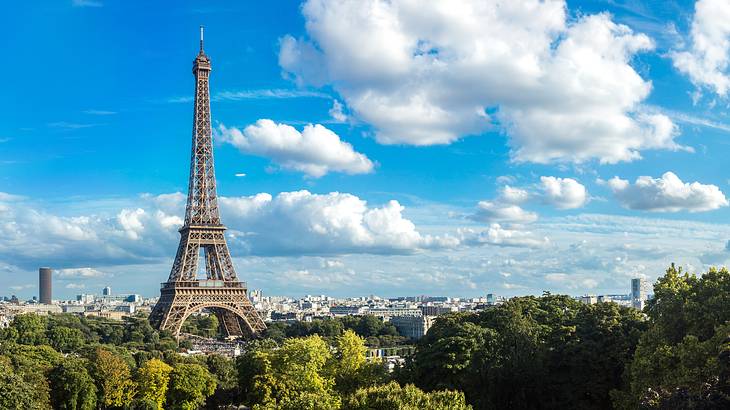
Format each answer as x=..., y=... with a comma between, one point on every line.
x=552, y=352
x=546, y=352
x=70, y=362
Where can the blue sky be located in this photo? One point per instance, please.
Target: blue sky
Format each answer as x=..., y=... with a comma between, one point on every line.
x=369, y=147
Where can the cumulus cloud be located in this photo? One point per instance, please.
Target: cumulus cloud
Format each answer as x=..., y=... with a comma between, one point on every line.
x=79, y=273
x=495, y=211
x=666, y=194
x=706, y=59
x=425, y=73
x=511, y=195
x=501, y=236
x=315, y=150
x=31, y=236
x=305, y=223
x=290, y=223
x=563, y=193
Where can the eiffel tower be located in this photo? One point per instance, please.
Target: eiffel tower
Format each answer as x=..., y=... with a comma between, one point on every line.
x=220, y=292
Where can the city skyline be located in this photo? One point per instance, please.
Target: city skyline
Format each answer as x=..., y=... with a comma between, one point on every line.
x=392, y=160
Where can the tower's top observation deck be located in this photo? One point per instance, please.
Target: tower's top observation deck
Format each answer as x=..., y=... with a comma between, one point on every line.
x=201, y=62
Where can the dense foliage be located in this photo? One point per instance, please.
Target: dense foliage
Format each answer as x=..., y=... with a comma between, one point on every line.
x=548, y=352
x=376, y=332
x=72, y=362
x=683, y=359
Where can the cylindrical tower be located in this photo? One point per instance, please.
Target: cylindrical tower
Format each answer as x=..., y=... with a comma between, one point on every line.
x=44, y=285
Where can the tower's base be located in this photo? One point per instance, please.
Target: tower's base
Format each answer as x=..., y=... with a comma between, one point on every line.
x=227, y=300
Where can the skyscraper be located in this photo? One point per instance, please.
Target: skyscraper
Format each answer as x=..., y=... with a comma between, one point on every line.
x=44, y=285
x=640, y=288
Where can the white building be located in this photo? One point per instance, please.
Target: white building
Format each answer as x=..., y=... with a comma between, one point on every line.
x=640, y=292
x=394, y=311
x=412, y=327
x=347, y=310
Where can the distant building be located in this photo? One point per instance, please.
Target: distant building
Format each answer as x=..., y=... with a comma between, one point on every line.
x=640, y=289
x=86, y=298
x=394, y=311
x=256, y=295
x=437, y=310
x=589, y=299
x=623, y=300
x=412, y=327
x=73, y=309
x=347, y=310
x=107, y=291
x=126, y=308
x=436, y=299
x=44, y=285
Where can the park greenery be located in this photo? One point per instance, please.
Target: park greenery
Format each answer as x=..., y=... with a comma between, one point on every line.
x=545, y=352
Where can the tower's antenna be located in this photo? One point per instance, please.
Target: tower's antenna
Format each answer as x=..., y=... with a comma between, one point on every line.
x=201, y=39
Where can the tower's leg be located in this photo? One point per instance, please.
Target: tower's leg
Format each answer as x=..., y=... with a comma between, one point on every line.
x=229, y=322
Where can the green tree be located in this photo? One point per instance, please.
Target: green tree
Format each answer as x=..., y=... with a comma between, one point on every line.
x=205, y=325
x=113, y=379
x=30, y=328
x=224, y=370
x=65, y=339
x=71, y=386
x=392, y=396
x=152, y=381
x=531, y=352
x=679, y=358
x=15, y=392
x=32, y=364
x=349, y=365
x=190, y=385
x=291, y=377
x=445, y=354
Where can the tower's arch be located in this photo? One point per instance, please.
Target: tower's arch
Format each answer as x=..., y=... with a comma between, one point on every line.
x=232, y=320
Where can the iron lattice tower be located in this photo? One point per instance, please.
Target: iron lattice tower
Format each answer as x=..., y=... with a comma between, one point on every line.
x=220, y=292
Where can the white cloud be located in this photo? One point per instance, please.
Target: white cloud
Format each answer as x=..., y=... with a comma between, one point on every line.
x=348, y=248
x=494, y=211
x=79, y=273
x=666, y=194
x=336, y=112
x=425, y=73
x=130, y=221
x=332, y=263
x=563, y=193
x=305, y=223
x=315, y=150
x=513, y=195
x=5, y=197
x=706, y=60
x=500, y=236
x=290, y=223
